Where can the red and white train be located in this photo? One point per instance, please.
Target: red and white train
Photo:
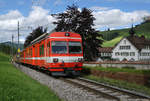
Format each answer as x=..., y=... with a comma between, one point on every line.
x=61, y=53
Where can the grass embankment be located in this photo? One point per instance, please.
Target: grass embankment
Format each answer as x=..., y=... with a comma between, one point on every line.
x=120, y=83
x=16, y=86
x=125, y=69
x=112, y=42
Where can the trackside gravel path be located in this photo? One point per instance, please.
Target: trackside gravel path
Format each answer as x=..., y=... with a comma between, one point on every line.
x=65, y=91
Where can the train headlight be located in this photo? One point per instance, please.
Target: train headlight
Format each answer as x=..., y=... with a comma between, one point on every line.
x=55, y=60
x=80, y=59
x=67, y=34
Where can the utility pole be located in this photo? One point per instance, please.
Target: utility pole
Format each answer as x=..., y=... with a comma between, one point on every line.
x=18, y=35
x=12, y=45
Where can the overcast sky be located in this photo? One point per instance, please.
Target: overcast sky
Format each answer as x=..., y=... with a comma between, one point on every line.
x=111, y=14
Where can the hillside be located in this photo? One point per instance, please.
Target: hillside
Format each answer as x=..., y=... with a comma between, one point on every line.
x=114, y=36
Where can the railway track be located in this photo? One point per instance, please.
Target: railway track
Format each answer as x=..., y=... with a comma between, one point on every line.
x=105, y=91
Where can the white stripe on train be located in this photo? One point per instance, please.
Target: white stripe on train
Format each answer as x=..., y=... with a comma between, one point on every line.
x=67, y=59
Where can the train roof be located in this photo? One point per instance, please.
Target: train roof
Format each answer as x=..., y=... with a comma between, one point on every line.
x=55, y=35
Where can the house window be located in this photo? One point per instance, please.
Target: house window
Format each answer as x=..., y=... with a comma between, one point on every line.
x=128, y=47
x=117, y=54
x=124, y=54
x=121, y=48
x=124, y=41
x=144, y=54
x=132, y=53
x=124, y=47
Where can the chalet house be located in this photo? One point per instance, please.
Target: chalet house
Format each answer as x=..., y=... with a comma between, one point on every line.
x=131, y=48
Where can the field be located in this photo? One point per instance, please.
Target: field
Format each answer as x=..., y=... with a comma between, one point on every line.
x=16, y=86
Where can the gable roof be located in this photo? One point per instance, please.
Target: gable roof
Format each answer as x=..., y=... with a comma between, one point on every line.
x=105, y=50
x=139, y=42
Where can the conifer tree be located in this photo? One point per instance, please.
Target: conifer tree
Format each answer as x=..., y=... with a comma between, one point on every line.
x=35, y=33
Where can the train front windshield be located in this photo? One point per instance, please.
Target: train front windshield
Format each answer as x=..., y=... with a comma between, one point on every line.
x=60, y=47
x=75, y=47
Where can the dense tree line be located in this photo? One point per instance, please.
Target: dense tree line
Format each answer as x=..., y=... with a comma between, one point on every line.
x=110, y=35
x=81, y=22
x=34, y=34
x=7, y=49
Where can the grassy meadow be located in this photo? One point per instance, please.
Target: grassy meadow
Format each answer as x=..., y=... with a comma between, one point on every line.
x=16, y=86
x=112, y=42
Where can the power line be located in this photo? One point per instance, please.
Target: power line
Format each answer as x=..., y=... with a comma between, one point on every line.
x=38, y=2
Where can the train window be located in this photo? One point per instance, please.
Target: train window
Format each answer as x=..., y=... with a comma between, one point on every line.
x=42, y=50
x=48, y=44
x=75, y=47
x=59, y=47
x=36, y=49
x=31, y=52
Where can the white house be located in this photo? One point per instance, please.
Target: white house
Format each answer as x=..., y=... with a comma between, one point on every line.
x=132, y=48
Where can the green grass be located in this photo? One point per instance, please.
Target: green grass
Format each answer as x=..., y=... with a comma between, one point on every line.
x=121, y=84
x=111, y=43
x=16, y=86
x=125, y=69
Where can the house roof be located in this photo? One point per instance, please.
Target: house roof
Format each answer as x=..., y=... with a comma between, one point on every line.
x=105, y=50
x=139, y=42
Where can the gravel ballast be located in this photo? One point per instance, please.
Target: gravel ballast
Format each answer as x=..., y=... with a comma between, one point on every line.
x=64, y=90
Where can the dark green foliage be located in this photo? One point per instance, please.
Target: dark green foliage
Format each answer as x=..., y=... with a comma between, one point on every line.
x=110, y=35
x=7, y=49
x=35, y=33
x=80, y=22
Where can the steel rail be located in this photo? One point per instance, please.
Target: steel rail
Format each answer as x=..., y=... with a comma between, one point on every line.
x=124, y=91
x=97, y=92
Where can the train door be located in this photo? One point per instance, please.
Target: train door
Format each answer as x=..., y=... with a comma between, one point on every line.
x=42, y=54
x=47, y=51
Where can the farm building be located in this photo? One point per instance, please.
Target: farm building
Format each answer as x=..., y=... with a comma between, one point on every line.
x=131, y=48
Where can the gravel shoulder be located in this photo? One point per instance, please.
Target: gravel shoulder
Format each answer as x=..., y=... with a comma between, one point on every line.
x=65, y=91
